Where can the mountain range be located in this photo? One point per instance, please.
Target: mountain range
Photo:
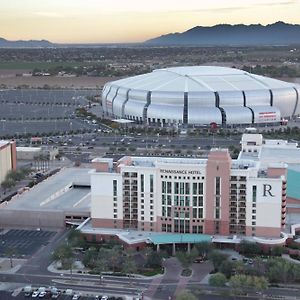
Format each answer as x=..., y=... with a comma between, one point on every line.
x=279, y=33
x=25, y=44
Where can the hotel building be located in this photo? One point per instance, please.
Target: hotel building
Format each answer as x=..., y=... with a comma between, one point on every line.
x=8, y=158
x=213, y=196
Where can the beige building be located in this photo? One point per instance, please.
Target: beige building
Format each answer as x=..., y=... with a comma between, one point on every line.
x=215, y=196
x=8, y=158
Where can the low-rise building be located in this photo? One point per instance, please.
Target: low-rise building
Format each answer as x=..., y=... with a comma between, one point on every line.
x=8, y=158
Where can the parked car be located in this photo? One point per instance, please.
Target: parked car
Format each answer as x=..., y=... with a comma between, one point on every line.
x=42, y=294
x=35, y=294
x=76, y=297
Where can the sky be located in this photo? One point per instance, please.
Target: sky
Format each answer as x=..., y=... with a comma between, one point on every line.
x=118, y=21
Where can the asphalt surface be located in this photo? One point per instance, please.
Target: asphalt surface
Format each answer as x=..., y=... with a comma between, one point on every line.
x=32, y=111
x=24, y=242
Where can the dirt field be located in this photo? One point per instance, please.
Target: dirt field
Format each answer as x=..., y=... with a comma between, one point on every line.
x=10, y=80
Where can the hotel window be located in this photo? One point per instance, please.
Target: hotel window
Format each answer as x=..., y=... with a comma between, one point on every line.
x=176, y=187
x=187, y=188
x=181, y=188
x=218, y=185
x=163, y=211
x=176, y=200
x=200, y=188
x=151, y=206
x=163, y=187
x=163, y=199
x=194, y=188
x=187, y=200
x=169, y=199
x=195, y=201
x=169, y=187
x=142, y=183
x=169, y=228
x=200, y=213
x=254, y=190
x=181, y=200
x=217, y=201
x=194, y=213
x=200, y=201
x=151, y=183
x=115, y=187
x=168, y=211
x=217, y=213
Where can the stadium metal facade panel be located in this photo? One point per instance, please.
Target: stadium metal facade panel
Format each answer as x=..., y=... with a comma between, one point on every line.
x=201, y=95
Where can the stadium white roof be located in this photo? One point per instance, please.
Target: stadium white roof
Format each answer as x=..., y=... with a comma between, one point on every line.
x=200, y=79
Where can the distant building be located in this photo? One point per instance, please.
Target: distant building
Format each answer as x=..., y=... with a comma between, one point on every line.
x=201, y=95
x=8, y=158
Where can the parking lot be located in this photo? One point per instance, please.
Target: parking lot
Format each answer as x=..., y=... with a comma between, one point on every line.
x=24, y=242
x=8, y=296
x=35, y=111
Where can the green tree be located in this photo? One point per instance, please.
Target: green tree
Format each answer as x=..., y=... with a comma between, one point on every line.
x=129, y=266
x=76, y=238
x=218, y=279
x=64, y=254
x=277, y=251
x=8, y=183
x=204, y=248
x=227, y=268
x=217, y=258
x=101, y=266
x=115, y=254
x=249, y=248
x=186, y=259
x=242, y=282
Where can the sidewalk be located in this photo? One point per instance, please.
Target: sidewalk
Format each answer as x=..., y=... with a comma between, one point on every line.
x=5, y=265
x=53, y=269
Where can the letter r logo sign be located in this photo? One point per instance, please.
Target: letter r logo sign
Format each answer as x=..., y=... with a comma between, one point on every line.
x=267, y=189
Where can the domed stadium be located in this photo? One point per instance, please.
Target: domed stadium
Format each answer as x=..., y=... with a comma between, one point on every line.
x=201, y=95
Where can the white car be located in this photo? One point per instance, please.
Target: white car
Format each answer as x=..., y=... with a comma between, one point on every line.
x=76, y=297
x=104, y=298
x=42, y=294
x=35, y=294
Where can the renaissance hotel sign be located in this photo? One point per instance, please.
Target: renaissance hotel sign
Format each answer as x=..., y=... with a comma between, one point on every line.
x=180, y=172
